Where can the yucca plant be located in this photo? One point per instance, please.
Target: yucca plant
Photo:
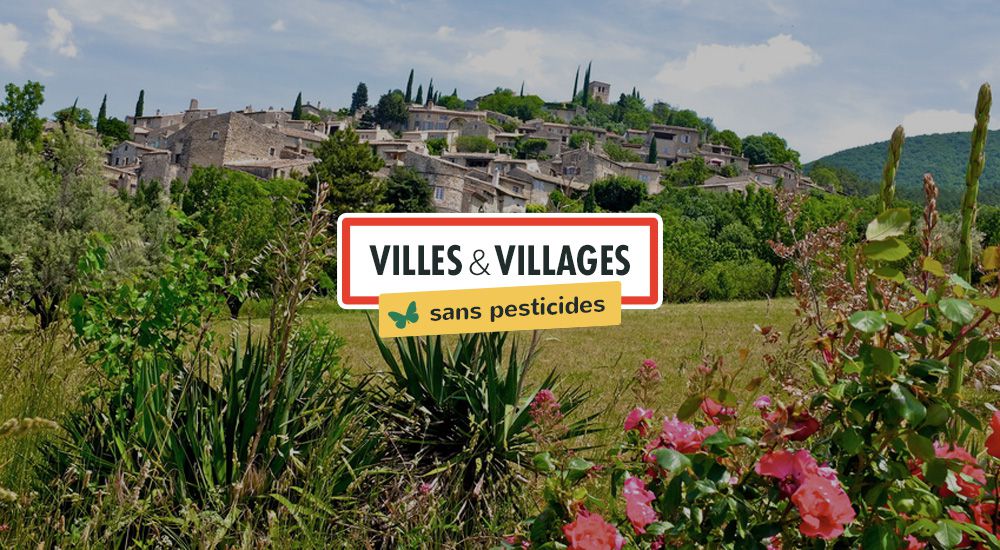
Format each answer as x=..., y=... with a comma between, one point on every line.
x=464, y=411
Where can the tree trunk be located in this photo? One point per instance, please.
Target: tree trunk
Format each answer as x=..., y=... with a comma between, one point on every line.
x=235, y=304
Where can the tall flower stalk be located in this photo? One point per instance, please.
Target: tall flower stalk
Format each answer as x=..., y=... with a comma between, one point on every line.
x=977, y=160
x=888, y=190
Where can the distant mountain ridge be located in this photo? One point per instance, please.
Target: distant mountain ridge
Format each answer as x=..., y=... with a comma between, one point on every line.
x=943, y=155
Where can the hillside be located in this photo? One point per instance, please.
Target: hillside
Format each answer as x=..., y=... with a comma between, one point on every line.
x=943, y=155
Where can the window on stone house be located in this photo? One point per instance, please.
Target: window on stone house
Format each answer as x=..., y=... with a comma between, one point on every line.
x=517, y=188
x=215, y=134
x=685, y=139
x=538, y=186
x=439, y=193
x=270, y=151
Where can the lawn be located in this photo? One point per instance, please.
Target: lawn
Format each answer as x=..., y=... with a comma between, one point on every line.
x=603, y=359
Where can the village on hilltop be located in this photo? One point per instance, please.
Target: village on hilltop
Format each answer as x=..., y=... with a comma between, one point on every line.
x=278, y=143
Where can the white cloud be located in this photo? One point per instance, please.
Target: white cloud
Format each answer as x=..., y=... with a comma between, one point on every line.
x=146, y=15
x=61, y=34
x=936, y=121
x=444, y=31
x=278, y=25
x=722, y=66
x=12, y=48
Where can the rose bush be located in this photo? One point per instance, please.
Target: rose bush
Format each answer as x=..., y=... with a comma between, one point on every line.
x=870, y=444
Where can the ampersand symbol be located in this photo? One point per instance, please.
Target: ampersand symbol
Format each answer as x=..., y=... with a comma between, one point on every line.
x=477, y=256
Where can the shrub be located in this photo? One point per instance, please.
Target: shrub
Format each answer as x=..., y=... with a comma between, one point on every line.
x=475, y=144
x=618, y=193
x=738, y=280
x=436, y=146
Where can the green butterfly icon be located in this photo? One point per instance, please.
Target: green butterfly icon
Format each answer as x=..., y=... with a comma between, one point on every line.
x=410, y=316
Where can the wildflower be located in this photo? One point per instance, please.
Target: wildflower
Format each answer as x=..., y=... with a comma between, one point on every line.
x=637, y=507
x=823, y=506
x=681, y=436
x=762, y=403
x=637, y=420
x=774, y=543
x=546, y=412
x=913, y=543
x=648, y=373
x=590, y=532
x=993, y=441
x=426, y=488
x=983, y=514
x=716, y=412
x=970, y=479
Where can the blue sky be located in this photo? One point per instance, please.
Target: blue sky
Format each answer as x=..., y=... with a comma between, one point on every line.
x=825, y=75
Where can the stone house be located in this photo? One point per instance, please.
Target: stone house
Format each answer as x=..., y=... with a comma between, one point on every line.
x=558, y=134
x=375, y=134
x=542, y=185
x=301, y=140
x=432, y=117
x=600, y=91
x=128, y=153
x=587, y=166
x=218, y=141
x=393, y=152
x=459, y=189
x=673, y=143
x=480, y=128
x=122, y=179
x=449, y=136
x=718, y=155
x=274, y=168
x=565, y=112
x=162, y=121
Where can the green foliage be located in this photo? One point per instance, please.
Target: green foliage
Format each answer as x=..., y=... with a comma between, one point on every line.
x=578, y=139
x=620, y=154
x=848, y=181
x=391, y=110
x=665, y=114
x=475, y=144
x=466, y=411
x=436, y=146
x=652, y=157
x=408, y=96
x=50, y=210
x=241, y=215
x=618, y=193
x=531, y=148
x=687, y=173
x=535, y=208
x=297, y=108
x=80, y=117
x=407, y=191
x=505, y=101
x=359, y=98
x=825, y=177
x=729, y=139
x=420, y=94
x=585, y=92
x=115, y=130
x=739, y=280
x=451, y=102
x=348, y=166
x=20, y=111
x=769, y=148
x=140, y=103
x=977, y=160
x=946, y=155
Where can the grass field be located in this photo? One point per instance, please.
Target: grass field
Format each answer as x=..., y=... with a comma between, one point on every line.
x=603, y=359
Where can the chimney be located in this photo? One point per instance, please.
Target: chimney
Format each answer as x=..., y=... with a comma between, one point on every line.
x=318, y=103
x=194, y=105
x=157, y=112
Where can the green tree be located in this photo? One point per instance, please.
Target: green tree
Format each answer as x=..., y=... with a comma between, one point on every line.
x=585, y=100
x=531, y=148
x=359, y=99
x=652, y=156
x=407, y=191
x=391, y=110
x=115, y=130
x=436, y=146
x=769, y=148
x=20, y=111
x=825, y=177
x=576, y=80
x=241, y=215
x=451, y=102
x=687, y=173
x=505, y=101
x=80, y=117
x=475, y=144
x=409, y=88
x=578, y=139
x=420, y=94
x=140, y=103
x=348, y=167
x=729, y=139
x=102, y=113
x=620, y=154
x=51, y=207
x=618, y=193
x=522, y=89
x=430, y=91
x=297, y=109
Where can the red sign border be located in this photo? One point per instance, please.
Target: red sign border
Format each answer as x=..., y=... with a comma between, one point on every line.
x=347, y=221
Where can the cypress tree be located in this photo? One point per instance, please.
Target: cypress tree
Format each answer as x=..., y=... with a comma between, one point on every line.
x=454, y=93
x=359, y=98
x=420, y=94
x=586, y=86
x=102, y=114
x=430, y=91
x=576, y=81
x=297, y=109
x=409, y=88
x=651, y=156
x=140, y=104
x=522, y=88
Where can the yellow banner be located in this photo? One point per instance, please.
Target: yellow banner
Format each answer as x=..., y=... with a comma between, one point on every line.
x=499, y=309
